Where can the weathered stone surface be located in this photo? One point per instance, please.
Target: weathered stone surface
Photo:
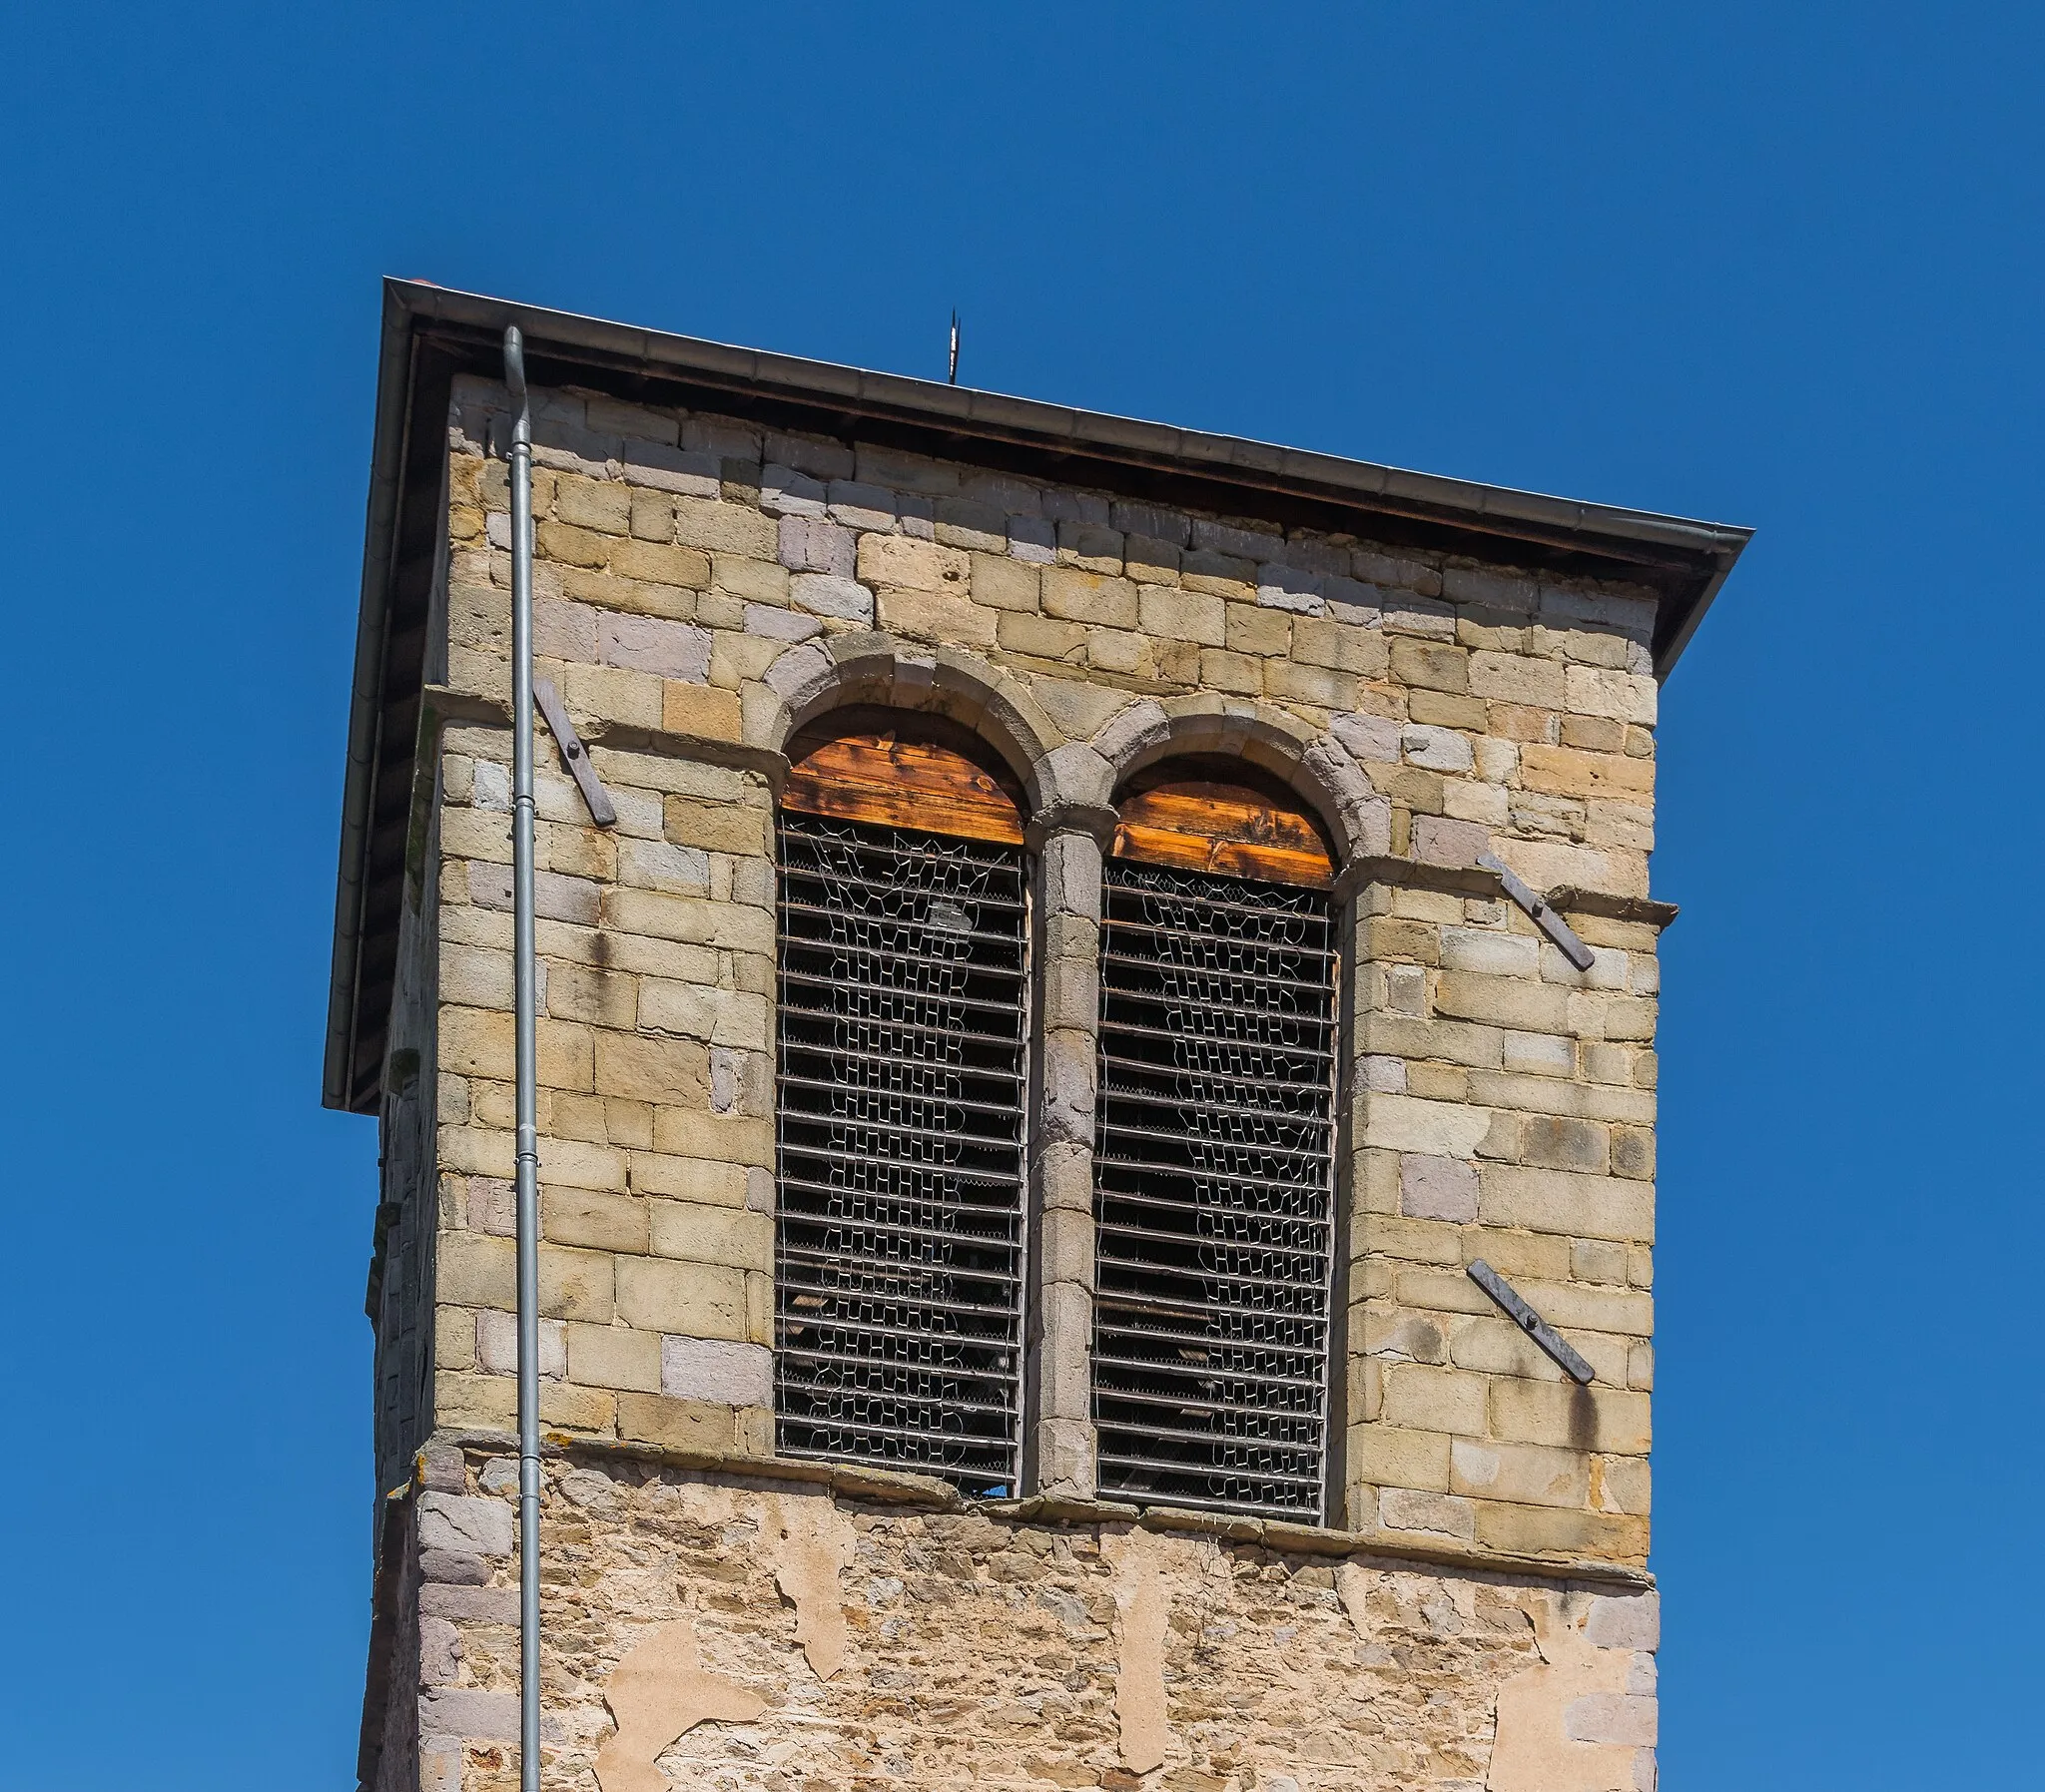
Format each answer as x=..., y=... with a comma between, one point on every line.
x=705, y=585
x=709, y=1623
x=466, y=1526
x=1437, y=1188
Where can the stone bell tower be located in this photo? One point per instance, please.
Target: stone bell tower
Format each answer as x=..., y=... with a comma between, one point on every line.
x=1097, y=1089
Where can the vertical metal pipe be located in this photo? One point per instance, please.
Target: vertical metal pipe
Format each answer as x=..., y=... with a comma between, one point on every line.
x=526, y=976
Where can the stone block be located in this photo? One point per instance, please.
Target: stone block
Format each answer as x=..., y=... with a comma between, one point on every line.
x=614, y=1357
x=472, y=1715
x=1415, y=1241
x=1437, y=1188
x=471, y=1605
x=726, y=528
x=697, y=1299
x=1401, y=1337
x=1538, y=1054
x=466, y=1524
x=1484, y=803
x=1599, y=691
x=675, y=1423
x=787, y=494
x=1425, y=1397
x=1289, y=588
x=1174, y=615
x=572, y=899
x=594, y=1219
x=1098, y=599
x=1596, y=1259
x=646, y=1069
x=1248, y=544
x=1625, y=1621
x=905, y=565
x=1613, y=1718
x=496, y=1344
x=716, y=1371
x=1574, y=1205
x=595, y=997
x=1218, y=574
x=669, y=469
x=1437, y=749
x=1522, y=1474
x=1430, y=665
x=1430, y=1128
x=1624, y=1485
x=1439, y=840
x=1317, y=684
x=943, y=618
x=1568, y=1415
x=705, y=1181
x=712, y=1233
x=1385, y=1456
x=1553, y=1143
x=1503, y=1001
x=1567, y=1306
x=656, y=563
x=831, y=594
x=1491, y=951
x=1517, y=678
x=1430, y=1515
x=1384, y=1074
x=1563, y=770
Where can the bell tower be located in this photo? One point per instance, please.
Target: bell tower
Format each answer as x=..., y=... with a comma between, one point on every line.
x=1095, y=1074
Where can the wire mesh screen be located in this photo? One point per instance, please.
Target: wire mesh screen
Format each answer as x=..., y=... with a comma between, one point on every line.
x=1213, y=1197
x=904, y=994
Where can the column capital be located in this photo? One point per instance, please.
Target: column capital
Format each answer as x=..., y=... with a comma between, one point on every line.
x=1094, y=820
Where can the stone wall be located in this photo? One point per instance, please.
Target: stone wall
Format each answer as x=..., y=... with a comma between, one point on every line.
x=711, y=1628
x=701, y=589
x=399, y=1298
x=704, y=588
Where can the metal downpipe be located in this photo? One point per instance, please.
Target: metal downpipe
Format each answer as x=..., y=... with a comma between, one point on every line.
x=526, y=976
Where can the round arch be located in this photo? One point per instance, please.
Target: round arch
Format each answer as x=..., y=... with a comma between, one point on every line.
x=877, y=672
x=1315, y=766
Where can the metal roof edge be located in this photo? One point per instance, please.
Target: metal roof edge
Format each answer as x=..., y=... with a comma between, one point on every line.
x=386, y=469
x=976, y=412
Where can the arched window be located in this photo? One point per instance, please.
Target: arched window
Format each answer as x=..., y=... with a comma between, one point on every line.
x=903, y=1047
x=1214, y=1156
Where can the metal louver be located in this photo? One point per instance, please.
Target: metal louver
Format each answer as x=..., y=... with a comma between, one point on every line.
x=1214, y=1191
x=904, y=1028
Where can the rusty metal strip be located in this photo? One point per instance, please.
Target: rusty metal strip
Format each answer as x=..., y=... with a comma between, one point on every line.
x=1544, y=917
x=601, y=810
x=1530, y=1322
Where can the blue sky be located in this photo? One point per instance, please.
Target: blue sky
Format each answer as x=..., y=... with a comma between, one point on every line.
x=1777, y=265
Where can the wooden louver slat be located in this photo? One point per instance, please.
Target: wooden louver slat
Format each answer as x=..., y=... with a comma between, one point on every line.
x=1204, y=824
x=895, y=783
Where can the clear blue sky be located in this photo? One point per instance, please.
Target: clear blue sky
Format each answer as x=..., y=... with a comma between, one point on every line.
x=1770, y=265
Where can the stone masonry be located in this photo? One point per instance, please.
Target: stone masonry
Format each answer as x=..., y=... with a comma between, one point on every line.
x=1477, y=1612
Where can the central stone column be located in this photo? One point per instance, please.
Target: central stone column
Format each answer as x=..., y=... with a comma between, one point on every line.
x=1058, y=1452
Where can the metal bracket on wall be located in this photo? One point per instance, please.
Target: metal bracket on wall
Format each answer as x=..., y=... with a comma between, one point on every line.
x=1530, y=1322
x=1544, y=917
x=601, y=810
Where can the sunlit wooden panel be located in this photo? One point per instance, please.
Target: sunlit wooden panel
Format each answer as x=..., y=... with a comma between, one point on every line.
x=1198, y=824
x=888, y=781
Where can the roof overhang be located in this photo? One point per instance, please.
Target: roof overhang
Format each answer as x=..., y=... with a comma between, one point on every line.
x=431, y=334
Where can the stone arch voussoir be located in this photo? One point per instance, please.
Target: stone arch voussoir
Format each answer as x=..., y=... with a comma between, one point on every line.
x=810, y=680
x=1314, y=765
